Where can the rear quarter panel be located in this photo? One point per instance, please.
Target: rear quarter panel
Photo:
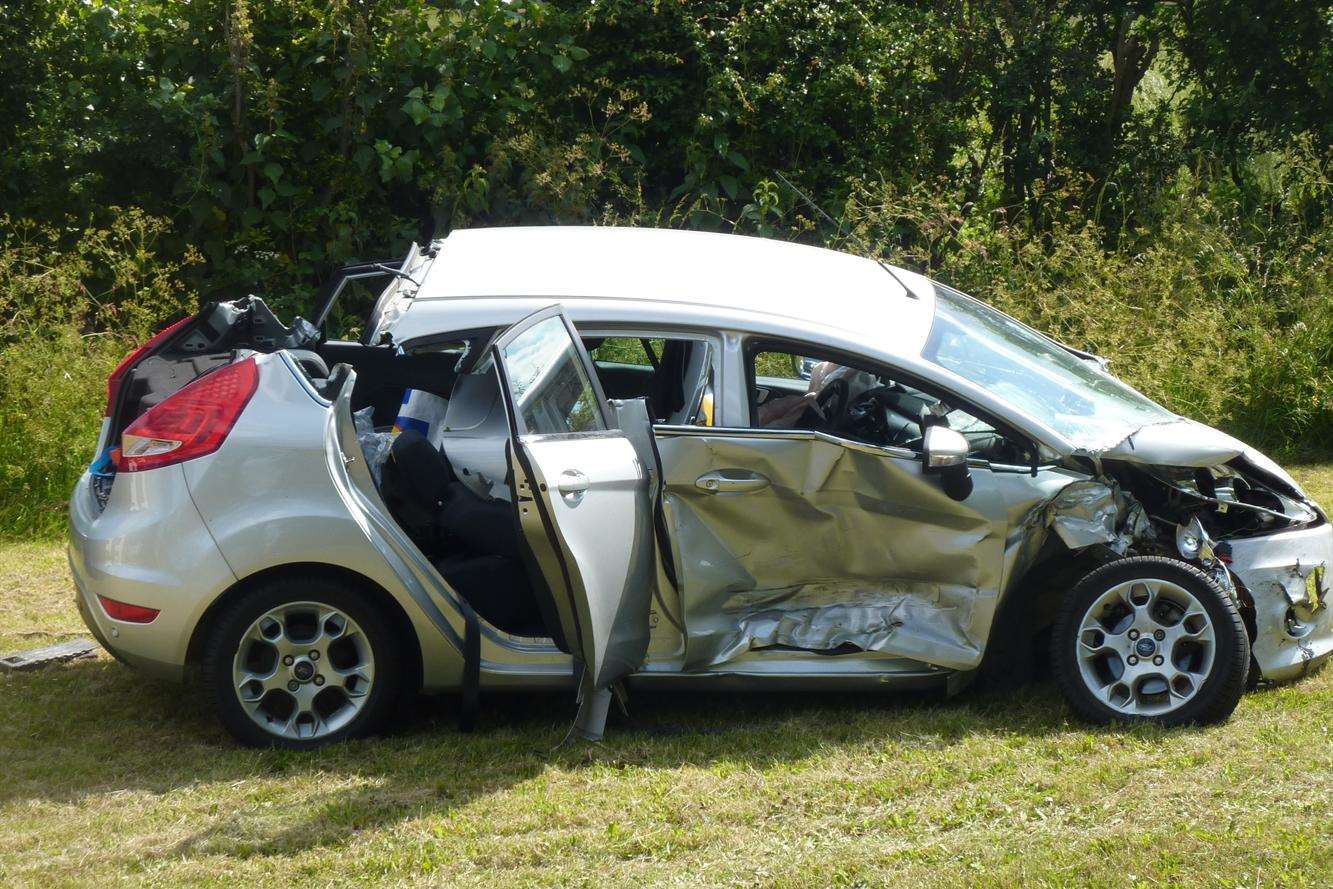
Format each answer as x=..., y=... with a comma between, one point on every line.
x=149, y=547
x=269, y=500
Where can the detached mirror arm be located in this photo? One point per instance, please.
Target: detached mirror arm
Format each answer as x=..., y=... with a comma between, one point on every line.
x=944, y=453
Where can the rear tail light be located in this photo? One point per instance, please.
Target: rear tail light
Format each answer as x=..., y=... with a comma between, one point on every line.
x=191, y=423
x=117, y=377
x=134, y=614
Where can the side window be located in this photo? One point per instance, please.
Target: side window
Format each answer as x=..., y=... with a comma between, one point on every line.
x=792, y=389
x=626, y=351
x=551, y=390
x=673, y=374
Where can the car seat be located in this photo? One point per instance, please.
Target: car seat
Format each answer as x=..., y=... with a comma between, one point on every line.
x=472, y=541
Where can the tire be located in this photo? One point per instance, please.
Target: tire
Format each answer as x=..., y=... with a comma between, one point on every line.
x=333, y=656
x=1170, y=629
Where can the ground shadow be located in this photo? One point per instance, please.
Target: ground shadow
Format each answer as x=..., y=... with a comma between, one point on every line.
x=96, y=727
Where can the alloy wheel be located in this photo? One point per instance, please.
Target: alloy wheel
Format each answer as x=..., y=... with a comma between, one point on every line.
x=1145, y=647
x=303, y=670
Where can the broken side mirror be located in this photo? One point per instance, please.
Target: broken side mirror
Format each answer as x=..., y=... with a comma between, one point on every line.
x=945, y=454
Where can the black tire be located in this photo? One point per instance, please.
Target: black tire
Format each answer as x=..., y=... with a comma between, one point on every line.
x=224, y=639
x=1221, y=689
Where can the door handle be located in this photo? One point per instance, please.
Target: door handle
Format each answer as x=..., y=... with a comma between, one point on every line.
x=731, y=481
x=572, y=484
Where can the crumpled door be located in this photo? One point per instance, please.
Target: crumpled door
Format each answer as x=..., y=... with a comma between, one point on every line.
x=795, y=539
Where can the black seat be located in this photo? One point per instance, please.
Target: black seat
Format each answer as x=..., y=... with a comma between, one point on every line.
x=471, y=540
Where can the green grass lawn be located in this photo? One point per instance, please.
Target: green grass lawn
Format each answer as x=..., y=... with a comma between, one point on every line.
x=107, y=777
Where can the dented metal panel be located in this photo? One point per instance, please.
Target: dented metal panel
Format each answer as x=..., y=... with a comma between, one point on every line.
x=1293, y=622
x=1092, y=511
x=823, y=544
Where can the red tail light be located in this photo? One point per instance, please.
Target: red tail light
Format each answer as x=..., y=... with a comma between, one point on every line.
x=118, y=375
x=191, y=423
x=135, y=614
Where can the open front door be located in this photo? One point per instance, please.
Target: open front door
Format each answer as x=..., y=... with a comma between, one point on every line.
x=583, y=502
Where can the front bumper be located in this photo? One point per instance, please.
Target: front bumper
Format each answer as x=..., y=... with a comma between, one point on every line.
x=148, y=547
x=1293, y=633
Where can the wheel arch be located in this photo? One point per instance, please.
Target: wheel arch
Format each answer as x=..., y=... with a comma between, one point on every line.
x=381, y=597
x=1016, y=649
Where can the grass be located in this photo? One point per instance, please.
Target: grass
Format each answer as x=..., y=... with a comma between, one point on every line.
x=111, y=779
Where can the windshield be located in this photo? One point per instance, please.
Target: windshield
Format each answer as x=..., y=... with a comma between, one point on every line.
x=1082, y=402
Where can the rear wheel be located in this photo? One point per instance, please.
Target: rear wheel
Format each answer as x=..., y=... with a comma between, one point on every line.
x=1150, y=639
x=301, y=663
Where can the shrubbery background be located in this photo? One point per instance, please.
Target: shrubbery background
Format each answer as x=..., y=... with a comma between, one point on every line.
x=1148, y=180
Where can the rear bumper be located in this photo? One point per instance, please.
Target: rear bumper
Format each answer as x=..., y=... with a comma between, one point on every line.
x=1292, y=636
x=148, y=547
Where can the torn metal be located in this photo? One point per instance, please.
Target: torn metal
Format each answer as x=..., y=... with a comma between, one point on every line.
x=1094, y=511
x=1289, y=587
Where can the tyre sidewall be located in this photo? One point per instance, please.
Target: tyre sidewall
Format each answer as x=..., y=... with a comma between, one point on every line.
x=226, y=635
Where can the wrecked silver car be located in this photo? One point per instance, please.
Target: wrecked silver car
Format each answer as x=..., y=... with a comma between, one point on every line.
x=596, y=459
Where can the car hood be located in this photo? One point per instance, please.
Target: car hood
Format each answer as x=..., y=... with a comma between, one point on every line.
x=1184, y=442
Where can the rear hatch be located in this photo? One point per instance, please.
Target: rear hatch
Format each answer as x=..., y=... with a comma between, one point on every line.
x=215, y=337
x=225, y=332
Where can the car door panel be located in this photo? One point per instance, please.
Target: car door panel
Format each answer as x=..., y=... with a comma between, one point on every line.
x=596, y=496
x=840, y=547
x=582, y=499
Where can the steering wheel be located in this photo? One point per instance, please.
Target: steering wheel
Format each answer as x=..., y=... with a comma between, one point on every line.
x=832, y=402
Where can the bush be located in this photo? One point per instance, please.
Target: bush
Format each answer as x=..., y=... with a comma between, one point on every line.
x=1133, y=179
x=1221, y=310
x=52, y=393
x=67, y=316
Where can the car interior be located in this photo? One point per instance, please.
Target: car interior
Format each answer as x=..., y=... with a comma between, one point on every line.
x=448, y=489
x=793, y=390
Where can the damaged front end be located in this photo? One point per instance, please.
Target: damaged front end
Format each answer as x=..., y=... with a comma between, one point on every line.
x=1249, y=527
x=1260, y=537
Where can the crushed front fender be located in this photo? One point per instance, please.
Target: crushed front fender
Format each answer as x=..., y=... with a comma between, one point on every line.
x=1286, y=576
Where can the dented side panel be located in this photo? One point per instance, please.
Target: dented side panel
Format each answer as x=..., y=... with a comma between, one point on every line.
x=1293, y=622
x=836, y=545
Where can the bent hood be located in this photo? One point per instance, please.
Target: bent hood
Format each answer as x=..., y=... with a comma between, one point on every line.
x=1184, y=442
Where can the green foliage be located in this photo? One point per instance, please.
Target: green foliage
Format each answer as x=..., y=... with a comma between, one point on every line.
x=67, y=316
x=52, y=392
x=1149, y=179
x=1231, y=324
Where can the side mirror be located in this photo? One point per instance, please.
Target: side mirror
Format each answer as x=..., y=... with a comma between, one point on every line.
x=945, y=455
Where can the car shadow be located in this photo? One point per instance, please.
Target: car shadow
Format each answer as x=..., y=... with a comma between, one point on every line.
x=93, y=728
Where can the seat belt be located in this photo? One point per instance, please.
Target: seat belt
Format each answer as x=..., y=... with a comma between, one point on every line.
x=467, y=711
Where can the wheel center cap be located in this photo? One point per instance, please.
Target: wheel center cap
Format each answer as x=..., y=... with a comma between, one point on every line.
x=1145, y=646
x=303, y=670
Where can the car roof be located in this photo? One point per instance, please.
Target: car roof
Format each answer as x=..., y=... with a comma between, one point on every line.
x=714, y=276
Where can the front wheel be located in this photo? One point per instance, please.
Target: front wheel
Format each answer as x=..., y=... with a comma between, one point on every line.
x=302, y=662
x=1150, y=639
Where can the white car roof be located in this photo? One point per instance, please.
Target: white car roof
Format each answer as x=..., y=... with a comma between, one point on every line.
x=711, y=276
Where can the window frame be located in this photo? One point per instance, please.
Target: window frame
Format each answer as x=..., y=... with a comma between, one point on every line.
x=594, y=329
x=517, y=329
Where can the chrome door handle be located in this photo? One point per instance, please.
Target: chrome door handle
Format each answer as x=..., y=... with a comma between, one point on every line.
x=731, y=481
x=572, y=484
